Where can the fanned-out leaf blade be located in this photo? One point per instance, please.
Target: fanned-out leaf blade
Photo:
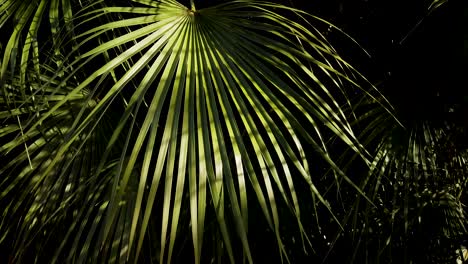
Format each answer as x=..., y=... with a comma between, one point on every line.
x=158, y=112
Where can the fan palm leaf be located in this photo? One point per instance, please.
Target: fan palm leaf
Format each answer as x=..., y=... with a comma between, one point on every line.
x=417, y=179
x=27, y=26
x=209, y=103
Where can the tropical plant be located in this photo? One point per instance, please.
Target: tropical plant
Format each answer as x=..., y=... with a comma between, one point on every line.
x=417, y=179
x=126, y=125
x=130, y=128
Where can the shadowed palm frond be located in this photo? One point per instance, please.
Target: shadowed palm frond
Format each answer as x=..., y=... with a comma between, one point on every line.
x=25, y=23
x=417, y=180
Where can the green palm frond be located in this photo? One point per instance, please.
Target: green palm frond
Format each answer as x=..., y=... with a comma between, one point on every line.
x=25, y=22
x=34, y=202
x=159, y=111
x=416, y=180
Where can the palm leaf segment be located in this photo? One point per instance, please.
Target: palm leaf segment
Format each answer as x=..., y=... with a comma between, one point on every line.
x=23, y=44
x=211, y=101
x=418, y=172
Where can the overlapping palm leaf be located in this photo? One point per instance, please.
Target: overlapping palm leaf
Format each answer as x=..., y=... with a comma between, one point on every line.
x=194, y=108
x=417, y=180
x=36, y=197
x=24, y=25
